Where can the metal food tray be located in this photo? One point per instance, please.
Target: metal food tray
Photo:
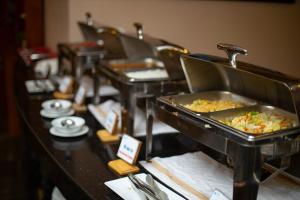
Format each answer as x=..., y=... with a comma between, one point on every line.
x=124, y=73
x=125, y=64
x=230, y=114
x=181, y=100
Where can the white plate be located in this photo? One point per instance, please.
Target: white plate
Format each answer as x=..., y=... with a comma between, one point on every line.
x=83, y=131
x=47, y=114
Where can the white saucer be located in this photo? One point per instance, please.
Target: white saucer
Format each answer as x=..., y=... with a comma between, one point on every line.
x=83, y=131
x=47, y=114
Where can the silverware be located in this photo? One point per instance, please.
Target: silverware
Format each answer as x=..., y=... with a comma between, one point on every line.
x=56, y=105
x=158, y=192
x=67, y=123
x=140, y=193
x=151, y=191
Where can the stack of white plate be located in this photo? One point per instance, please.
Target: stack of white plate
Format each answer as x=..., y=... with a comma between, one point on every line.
x=69, y=126
x=56, y=108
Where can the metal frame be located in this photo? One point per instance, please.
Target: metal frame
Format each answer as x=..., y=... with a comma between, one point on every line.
x=247, y=158
x=130, y=91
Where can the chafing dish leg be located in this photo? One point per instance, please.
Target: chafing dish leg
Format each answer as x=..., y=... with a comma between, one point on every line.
x=96, y=81
x=149, y=126
x=78, y=68
x=247, y=164
x=129, y=103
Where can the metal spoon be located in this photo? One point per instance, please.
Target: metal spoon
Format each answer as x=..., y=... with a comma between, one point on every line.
x=67, y=123
x=56, y=105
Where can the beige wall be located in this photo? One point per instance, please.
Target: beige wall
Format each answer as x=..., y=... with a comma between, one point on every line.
x=56, y=22
x=270, y=31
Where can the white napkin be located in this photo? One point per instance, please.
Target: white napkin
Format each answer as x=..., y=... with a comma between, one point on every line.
x=123, y=188
x=57, y=195
x=43, y=66
x=104, y=90
x=139, y=118
x=205, y=175
x=35, y=86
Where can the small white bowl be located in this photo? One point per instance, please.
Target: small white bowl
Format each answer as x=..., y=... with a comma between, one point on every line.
x=63, y=106
x=59, y=125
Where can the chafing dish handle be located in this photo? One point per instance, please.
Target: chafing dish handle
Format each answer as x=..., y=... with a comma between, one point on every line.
x=89, y=19
x=139, y=30
x=232, y=51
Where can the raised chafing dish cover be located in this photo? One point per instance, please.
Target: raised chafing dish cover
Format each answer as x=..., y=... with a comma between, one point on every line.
x=103, y=35
x=144, y=46
x=210, y=73
x=206, y=73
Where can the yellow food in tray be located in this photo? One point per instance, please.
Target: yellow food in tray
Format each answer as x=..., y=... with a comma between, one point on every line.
x=259, y=122
x=202, y=105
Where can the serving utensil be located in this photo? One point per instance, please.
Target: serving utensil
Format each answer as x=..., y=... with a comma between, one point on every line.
x=68, y=123
x=56, y=105
x=151, y=191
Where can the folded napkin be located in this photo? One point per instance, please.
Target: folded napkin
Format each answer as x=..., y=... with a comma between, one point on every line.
x=124, y=189
x=100, y=111
x=57, y=195
x=104, y=90
x=47, y=65
x=36, y=86
x=202, y=174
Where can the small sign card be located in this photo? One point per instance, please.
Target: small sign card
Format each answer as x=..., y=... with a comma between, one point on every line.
x=129, y=149
x=66, y=84
x=111, y=122
x=80, y=95
x=218, y=195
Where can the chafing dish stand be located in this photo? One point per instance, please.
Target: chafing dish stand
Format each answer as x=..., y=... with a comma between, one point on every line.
x=247, y=154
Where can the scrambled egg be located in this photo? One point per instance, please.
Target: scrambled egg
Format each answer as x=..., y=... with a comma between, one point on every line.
x=202, y=105
x=259, y=122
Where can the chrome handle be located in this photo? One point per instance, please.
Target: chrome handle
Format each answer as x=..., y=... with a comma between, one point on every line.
x=89, y=20
x=232, y=51
x=139, y=30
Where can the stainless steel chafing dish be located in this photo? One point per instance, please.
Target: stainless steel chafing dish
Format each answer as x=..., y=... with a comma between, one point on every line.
x=259, y=89
x=144, y=54
x=142, y=48
x=106, y=36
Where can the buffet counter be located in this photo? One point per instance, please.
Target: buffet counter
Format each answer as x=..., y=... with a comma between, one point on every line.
x=77, y=166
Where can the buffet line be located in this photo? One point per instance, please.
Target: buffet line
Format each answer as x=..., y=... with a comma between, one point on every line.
x=245, y=113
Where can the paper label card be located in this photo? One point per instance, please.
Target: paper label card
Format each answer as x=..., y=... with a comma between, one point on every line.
x=129, y=149
x=111, y=122
x=218, y=195
x=65, y=84
x=80, y=95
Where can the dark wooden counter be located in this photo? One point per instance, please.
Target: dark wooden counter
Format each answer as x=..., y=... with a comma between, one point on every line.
x=78, y=166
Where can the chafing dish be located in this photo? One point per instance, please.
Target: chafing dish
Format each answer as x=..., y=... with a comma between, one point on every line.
x=247, y=153
x=143, y=46
x=182, y=100
x=143, y=53
x=103, y=35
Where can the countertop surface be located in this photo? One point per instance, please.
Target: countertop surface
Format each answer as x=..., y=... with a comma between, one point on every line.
x=78, y=166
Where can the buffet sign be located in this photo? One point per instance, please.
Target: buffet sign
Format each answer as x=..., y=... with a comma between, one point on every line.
x=66, y=85
x=111, y=122
x=128, y=153
x=80, y=95
x=129, y=149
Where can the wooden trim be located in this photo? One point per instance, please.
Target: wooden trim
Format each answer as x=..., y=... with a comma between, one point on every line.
x=34, y=23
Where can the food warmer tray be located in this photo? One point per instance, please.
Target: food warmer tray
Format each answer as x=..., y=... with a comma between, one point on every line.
x=153, y=53
x=131, y=90
x=247, y=154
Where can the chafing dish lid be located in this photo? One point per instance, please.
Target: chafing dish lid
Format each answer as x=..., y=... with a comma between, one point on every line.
x=205, y=72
